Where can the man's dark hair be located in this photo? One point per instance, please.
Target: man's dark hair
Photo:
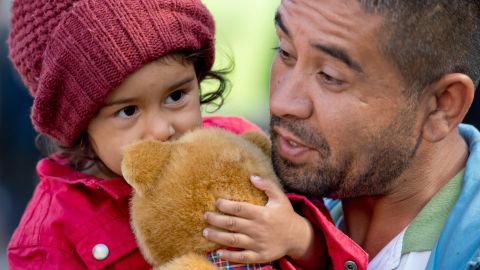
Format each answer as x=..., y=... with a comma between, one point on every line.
x=426, y=39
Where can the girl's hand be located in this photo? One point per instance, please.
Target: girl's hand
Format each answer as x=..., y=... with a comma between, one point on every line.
x=265, y=233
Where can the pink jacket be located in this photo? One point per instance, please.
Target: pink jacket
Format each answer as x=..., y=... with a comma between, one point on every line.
x=74, y=218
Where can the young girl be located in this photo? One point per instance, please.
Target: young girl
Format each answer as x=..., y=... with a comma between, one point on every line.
x=104, y=74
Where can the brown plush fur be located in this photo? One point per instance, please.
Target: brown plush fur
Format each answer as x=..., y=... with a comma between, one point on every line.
x=190, y=261
x=176, y=182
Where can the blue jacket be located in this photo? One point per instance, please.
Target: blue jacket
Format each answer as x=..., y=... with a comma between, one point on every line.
x=458, y=246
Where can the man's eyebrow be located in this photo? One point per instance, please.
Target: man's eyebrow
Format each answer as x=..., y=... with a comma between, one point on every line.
x=340, y=54
x=279, y=23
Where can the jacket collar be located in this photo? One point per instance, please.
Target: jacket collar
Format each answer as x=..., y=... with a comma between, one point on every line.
x=54, y=168
x=460, y=238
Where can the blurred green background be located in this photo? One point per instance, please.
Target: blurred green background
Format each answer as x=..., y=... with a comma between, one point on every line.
x=245, y=35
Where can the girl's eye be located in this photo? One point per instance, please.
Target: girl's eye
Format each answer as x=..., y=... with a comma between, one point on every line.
x=175, y=96
x=326, y=78
x=128, y=111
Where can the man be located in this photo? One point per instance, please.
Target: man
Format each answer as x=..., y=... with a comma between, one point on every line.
x=366, y=100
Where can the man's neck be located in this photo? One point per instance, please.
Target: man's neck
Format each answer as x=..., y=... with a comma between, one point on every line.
x=374, y=221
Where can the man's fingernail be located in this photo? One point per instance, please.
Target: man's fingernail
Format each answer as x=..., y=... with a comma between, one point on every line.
x=205, y=232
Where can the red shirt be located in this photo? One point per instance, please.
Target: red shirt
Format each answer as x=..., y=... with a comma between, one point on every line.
x=71, y=213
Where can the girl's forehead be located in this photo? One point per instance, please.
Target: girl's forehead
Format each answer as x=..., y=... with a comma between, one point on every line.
x=154, y=77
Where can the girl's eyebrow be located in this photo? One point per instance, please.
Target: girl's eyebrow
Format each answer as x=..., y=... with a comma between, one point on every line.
x=118, y=101
x=130, y=99
x=180, y=82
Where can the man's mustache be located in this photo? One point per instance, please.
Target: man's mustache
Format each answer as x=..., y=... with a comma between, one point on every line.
x=299, y=129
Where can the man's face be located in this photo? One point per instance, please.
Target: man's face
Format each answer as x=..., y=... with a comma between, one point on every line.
x=341, y=125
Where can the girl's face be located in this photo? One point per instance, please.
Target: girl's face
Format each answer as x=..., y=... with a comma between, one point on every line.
x=159, y=101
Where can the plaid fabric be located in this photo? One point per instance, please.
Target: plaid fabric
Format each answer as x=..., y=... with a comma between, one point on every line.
x=222, y=264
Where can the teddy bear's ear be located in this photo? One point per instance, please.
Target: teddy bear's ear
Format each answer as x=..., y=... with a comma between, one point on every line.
x=260, y=139
x=143, y=163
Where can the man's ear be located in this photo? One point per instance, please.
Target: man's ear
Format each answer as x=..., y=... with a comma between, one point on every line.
x=449, y=99
x=260, y=139
x=143, y=163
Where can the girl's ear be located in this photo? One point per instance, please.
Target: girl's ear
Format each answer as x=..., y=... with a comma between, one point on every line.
x=143, y=163
x=260, y=139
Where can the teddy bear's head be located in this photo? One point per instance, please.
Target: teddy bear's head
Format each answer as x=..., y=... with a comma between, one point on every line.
x=176, y=182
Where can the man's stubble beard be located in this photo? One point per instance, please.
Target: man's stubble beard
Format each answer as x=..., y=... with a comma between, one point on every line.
x=391, y=152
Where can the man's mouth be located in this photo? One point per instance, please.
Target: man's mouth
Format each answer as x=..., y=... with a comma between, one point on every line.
x=290, y=146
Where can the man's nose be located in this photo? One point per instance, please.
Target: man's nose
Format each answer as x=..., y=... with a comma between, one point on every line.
x=158, y=129
x=289, y=95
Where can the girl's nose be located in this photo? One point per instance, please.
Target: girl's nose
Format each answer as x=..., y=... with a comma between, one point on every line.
x=159, y=129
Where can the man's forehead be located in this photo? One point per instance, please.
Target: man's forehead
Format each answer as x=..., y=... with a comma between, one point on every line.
x=346, y=13
x=342, y=30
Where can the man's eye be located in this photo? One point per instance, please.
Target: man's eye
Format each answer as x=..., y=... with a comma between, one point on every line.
x=175, y=96
x=283, y=54
x=127, y=112
x=326, y=78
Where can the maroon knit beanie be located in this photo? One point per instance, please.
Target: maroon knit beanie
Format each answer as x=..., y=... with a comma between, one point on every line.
x=72, y=53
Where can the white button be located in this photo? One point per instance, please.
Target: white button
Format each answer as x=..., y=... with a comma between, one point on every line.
x=350, y=265
x=100, y=251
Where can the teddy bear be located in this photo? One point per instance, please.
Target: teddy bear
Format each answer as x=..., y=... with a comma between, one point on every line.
x=175, y=182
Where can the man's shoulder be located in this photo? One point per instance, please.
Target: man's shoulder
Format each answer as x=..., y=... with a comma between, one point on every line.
x=460, y=234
